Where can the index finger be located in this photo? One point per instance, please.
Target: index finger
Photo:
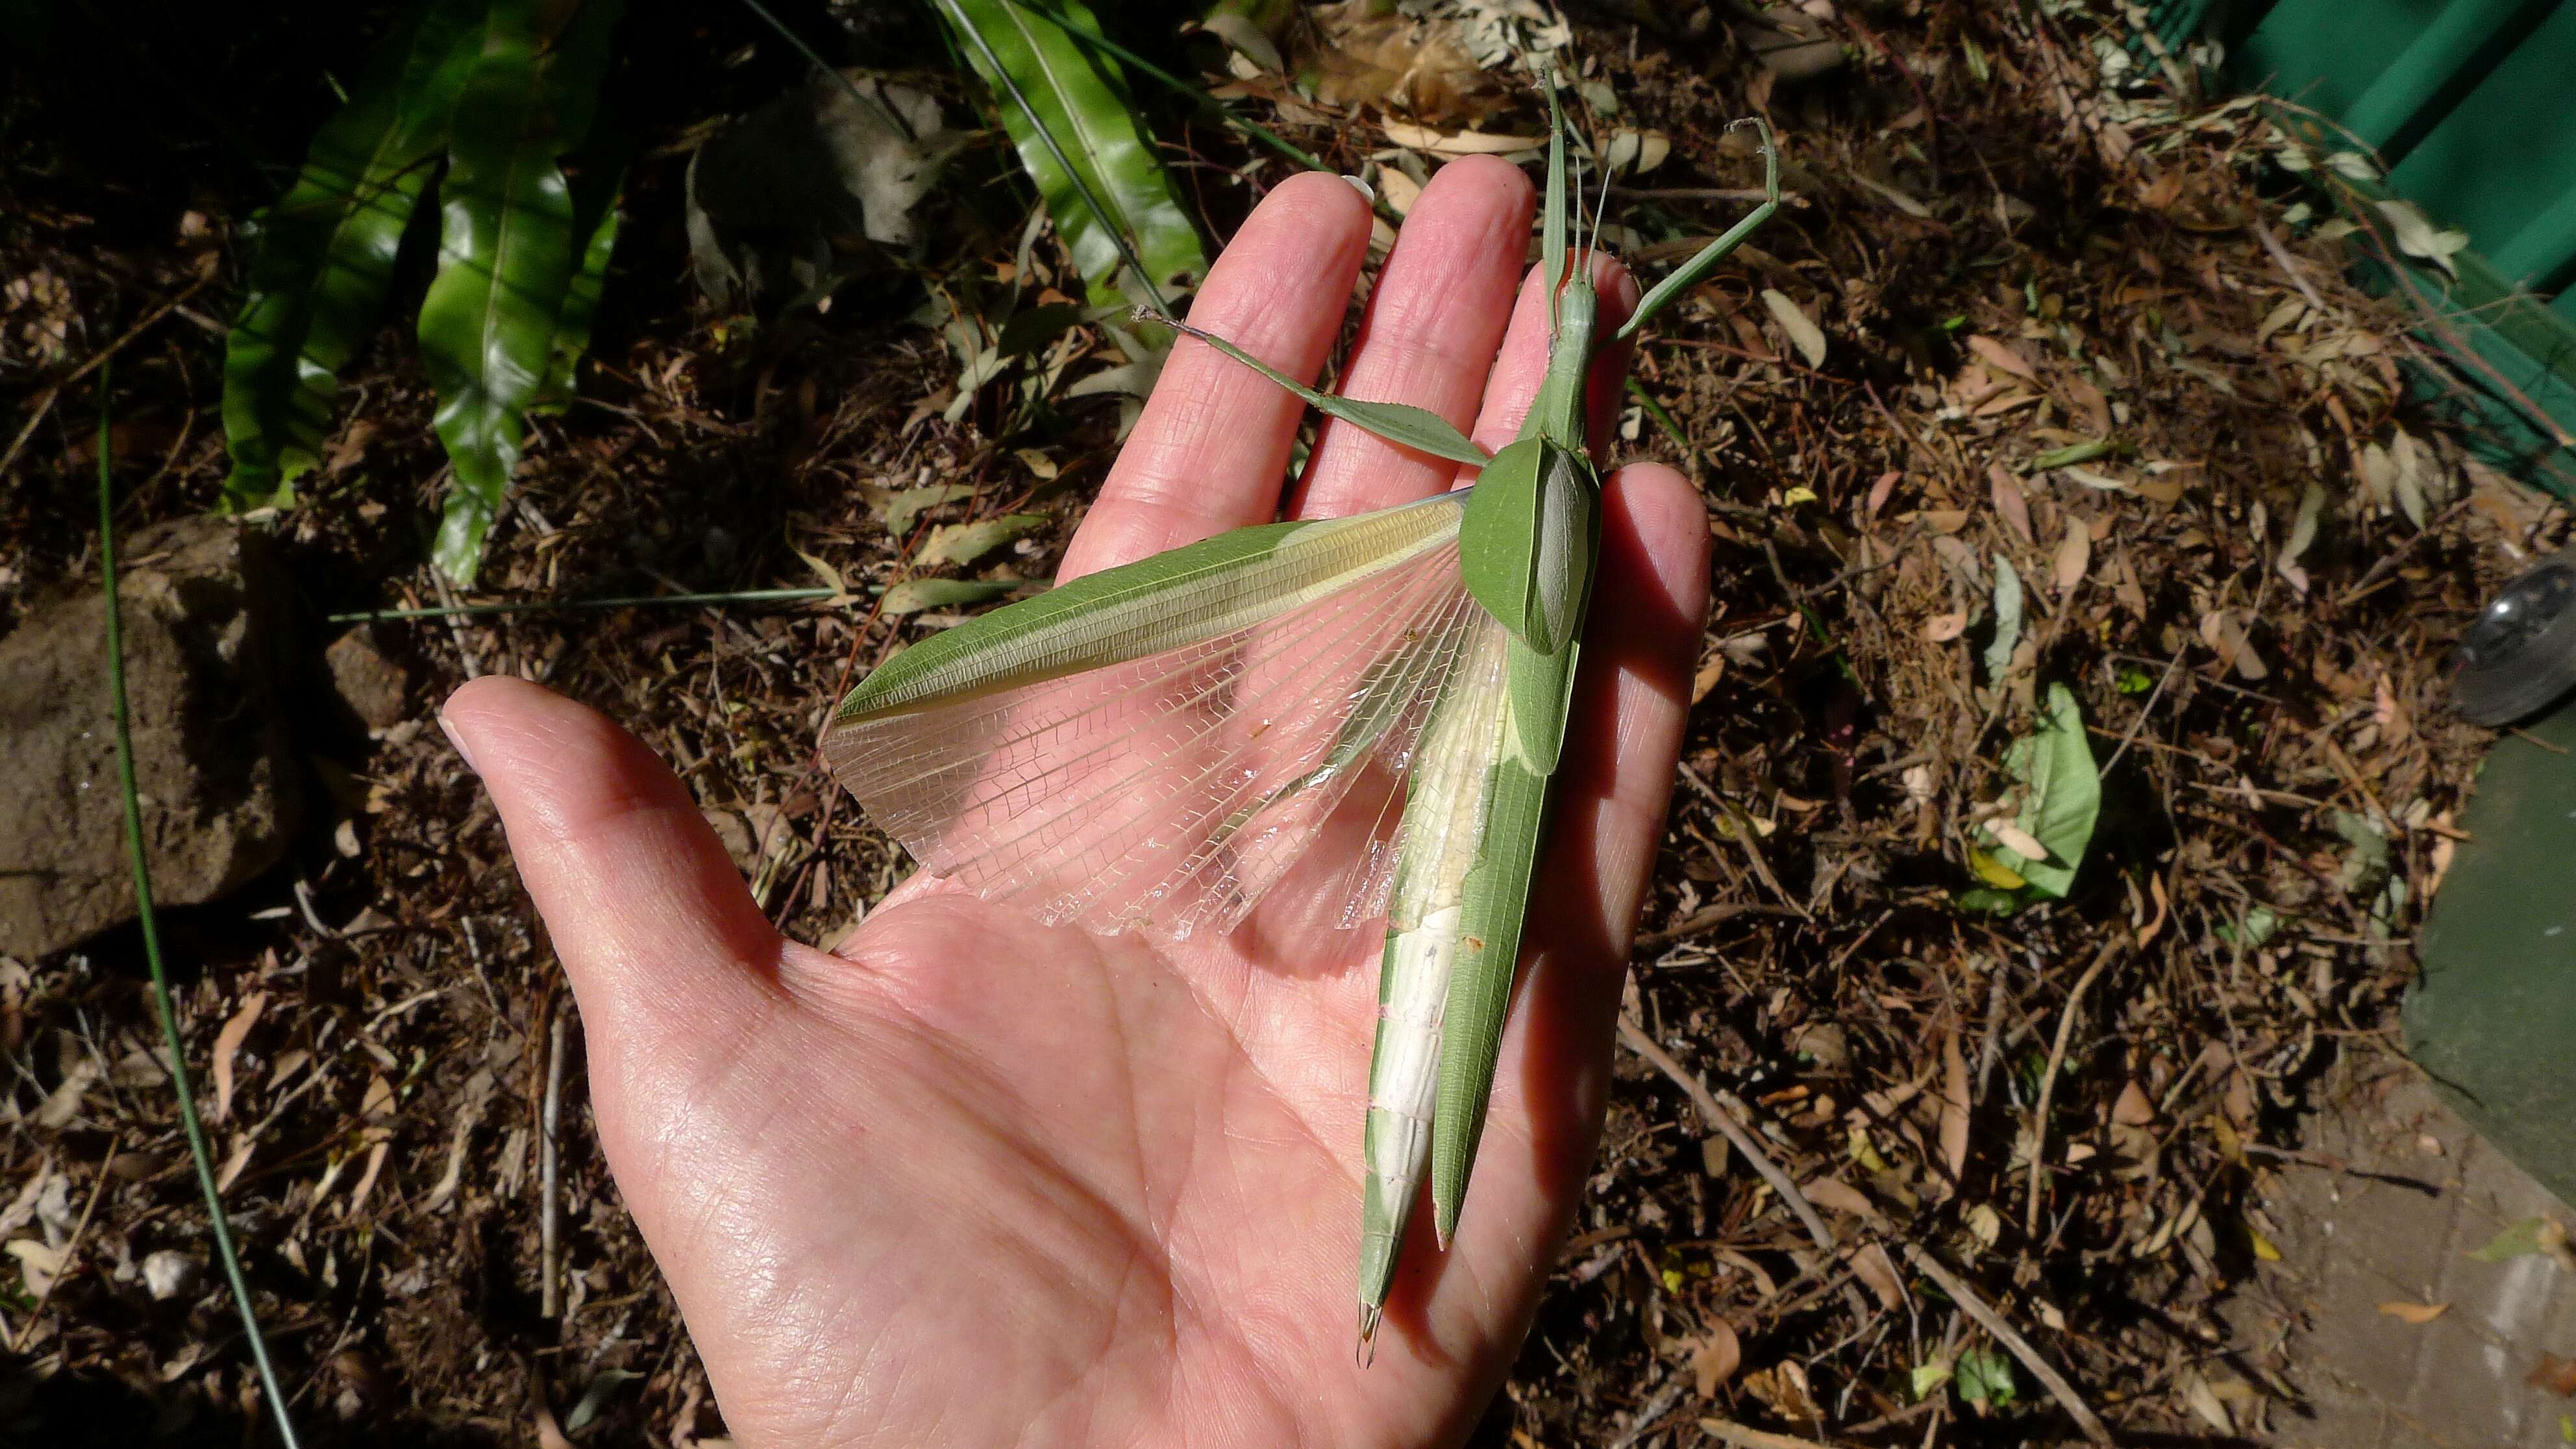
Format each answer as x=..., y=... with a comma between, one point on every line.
x=1211, y=449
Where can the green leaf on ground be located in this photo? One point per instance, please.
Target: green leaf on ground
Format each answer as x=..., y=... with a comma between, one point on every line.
x=1985, y=1376
x=2061, y=795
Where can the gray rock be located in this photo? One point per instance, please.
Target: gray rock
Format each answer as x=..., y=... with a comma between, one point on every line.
x=205, y=625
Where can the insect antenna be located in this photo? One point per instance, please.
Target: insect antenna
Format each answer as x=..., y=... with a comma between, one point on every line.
x=1600, y=212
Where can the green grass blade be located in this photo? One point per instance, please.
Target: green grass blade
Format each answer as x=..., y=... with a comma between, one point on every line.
x=509, y=254
x=198, y=1150
x=326, y=252
x=1107, y=191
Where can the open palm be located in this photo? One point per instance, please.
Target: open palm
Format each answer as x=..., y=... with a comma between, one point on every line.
x=975, y=1180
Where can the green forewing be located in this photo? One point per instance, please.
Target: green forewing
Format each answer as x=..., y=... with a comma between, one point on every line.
x=1187, y=594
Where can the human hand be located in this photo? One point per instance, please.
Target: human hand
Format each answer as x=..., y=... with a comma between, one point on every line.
x=975, y=1180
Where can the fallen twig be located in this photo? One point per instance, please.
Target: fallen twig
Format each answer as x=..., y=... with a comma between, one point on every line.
x=71, y=1249
x=550, y=1257
x=2048, y=1083
x=1993, y=1323
x=1727, y=1432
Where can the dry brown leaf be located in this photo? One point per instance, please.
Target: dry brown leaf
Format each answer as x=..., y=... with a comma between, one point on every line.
x=1803, y=332
x=2009, y=499
x=1400, y=190
x=1942, y=628
x=1715, y=1356
x=2417, y=1314
x=2074, y=557
x=1955, y=1105
x=2135, y=1108
x=2557, y=1375
x=2087, y=403
x=1880, y=491
x=1998, y=355
x=1457, y=143
x=1841, y=1196
x=228, y=1044
x=1708, y=676
x=1872, y=1266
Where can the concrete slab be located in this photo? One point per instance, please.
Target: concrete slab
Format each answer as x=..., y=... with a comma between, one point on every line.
x=2396, y=1193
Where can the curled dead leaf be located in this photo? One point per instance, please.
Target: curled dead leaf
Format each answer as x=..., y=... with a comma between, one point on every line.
x=1840, y=1196
x=1715, y=1356
x=1942, y=628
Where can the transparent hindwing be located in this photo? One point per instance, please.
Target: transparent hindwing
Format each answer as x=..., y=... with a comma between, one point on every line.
x=1173, y=785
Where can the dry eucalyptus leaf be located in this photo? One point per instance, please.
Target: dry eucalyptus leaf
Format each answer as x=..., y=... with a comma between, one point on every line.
x=2000, y=356
x=2074, y=558
x=2417, y=1314
x=2010, y=502
x=1458, y=143
x=1715, y=1357
x=227, y=1044
x=1872, y=1266
x=2135, y=1108
x=1956, y=1103
x=1803, y=332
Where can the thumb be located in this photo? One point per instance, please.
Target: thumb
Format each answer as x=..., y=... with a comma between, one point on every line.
x=667, y=952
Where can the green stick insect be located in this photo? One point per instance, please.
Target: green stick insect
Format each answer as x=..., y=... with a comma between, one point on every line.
x=1158, y=744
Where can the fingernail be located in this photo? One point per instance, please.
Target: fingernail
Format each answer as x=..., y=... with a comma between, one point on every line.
x=456, y=740
x=1362, y=188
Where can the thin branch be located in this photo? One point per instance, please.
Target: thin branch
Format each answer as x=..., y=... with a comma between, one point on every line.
x=2048, y=1083
x=1993, y=1323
